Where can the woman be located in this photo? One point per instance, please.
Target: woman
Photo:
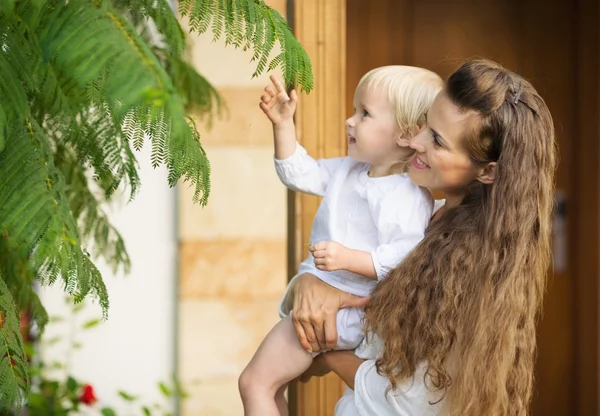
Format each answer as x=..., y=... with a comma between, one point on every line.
x=454, y=323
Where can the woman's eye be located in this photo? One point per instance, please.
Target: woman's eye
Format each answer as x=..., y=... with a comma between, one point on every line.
x=436, y=141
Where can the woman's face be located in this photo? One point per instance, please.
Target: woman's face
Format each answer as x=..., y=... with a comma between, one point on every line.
x=441, y=162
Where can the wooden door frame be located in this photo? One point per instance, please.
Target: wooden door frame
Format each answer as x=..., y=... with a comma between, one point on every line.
x=320, y=25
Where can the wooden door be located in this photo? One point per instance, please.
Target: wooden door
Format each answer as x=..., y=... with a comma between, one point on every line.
x=320, y=26
x=555, y=45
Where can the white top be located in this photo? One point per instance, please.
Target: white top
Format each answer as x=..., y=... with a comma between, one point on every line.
x=385, y=216
x=369, y=397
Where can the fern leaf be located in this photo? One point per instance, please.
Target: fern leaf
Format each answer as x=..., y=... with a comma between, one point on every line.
x=36, y=221
x=11, y=88
x=7, y=7
x=248, y=24
x=140, y=80
x=14, y=377
x=197, y=93
x=89, y=213
x=160, y=12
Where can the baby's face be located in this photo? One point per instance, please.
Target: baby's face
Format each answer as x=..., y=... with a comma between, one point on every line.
x=373, y=132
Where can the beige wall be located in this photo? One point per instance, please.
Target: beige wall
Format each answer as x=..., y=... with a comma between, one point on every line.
x=232, y=252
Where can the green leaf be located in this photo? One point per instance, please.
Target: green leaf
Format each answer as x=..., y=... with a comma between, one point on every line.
x=80, y=41
x=146, y=411
x=29, y=350
x=127, y=396
x=91, y=323
x=253, y=24
x=83, y=84
x=14, y=378
x=56, y=319
x=78, y=307
x=52, y=341
x=7, y=6
x=72, y=384
x=161, y=13
x=164, y=389
x=107, y=411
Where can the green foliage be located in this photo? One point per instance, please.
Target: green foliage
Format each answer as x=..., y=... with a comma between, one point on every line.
x=83, y=85
x=13, y=363
x=56, y=392
x=251, y=24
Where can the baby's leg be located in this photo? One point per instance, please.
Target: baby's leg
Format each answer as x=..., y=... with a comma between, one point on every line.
x=279, y=359
x=282, y=404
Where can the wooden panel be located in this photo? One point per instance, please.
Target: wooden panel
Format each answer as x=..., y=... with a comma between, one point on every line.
x=369, y=44
x=584, y=208
x=320, y=27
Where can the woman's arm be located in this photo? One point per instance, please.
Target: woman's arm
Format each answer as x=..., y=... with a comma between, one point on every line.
x=344, y=363
x=315, y=305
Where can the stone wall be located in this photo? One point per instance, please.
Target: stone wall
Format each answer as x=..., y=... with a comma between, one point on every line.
x=232, y=252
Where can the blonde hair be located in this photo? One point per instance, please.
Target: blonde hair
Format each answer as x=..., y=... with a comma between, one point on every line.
x=466, y=299
x=411, y=90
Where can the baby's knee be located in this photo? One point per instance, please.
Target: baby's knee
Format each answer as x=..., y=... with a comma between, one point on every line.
x=255, y=381
x=245, y=381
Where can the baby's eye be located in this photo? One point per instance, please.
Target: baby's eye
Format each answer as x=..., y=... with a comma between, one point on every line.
x=365, y=113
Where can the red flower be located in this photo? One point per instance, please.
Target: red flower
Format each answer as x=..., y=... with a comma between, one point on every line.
x=88, y=396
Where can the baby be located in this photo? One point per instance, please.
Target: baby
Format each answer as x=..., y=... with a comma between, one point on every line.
x=370, y=218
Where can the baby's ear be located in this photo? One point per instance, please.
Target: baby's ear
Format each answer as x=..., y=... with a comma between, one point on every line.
x=406, y=135
x=403, y=140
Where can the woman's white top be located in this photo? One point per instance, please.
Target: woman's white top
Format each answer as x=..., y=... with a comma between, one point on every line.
x=385, y=216
x=370, y=396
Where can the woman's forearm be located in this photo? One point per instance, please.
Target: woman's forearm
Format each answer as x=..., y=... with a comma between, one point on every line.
x=345, y=364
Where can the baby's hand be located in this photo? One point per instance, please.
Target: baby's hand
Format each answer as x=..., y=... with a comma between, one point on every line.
x=330, y=256
x=276, y=104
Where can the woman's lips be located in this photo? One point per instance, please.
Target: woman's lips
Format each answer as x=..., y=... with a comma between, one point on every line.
x=418, y=163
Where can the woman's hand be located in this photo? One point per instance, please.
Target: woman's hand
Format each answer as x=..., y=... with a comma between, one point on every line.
x=314, y=311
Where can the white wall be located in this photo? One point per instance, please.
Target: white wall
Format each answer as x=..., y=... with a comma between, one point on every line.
x=135, y=347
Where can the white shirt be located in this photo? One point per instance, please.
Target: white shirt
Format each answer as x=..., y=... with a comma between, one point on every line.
x=385, y=216
x=369, y=396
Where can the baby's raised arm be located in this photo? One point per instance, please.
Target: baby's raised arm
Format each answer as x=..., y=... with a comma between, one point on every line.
x=279, y=107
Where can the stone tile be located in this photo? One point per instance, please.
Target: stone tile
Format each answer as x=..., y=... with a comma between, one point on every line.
x=217, y=338
x=247, y=199
x=213, y=398
x=232, y=269
x=227, y=66
x=241, y=124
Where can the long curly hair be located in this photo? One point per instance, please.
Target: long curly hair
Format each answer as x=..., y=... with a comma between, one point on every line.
x=466, y=300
